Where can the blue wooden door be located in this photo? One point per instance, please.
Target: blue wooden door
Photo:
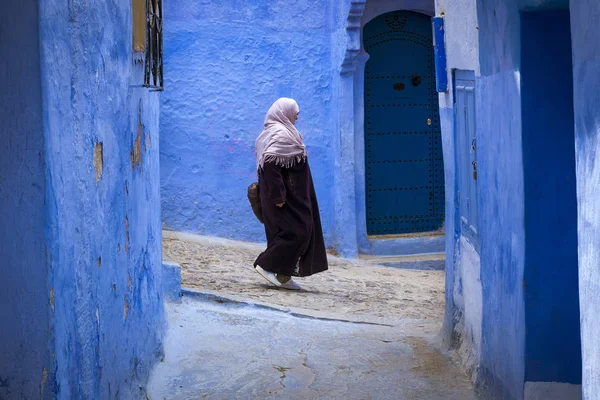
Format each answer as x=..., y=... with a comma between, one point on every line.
x=403, y=147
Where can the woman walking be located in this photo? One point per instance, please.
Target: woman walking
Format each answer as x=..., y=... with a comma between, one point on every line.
x=295, y=245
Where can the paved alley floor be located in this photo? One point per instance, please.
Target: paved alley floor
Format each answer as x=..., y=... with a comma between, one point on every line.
x=228, y=351
x=350, y=289
x=355, y=332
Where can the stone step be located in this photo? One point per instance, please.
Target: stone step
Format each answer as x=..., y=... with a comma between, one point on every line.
x=409, y=244
x=424, y=262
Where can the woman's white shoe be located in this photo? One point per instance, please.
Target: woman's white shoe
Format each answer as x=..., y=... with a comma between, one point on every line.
x=269, y=276
x=291, y=285
x=282, y=281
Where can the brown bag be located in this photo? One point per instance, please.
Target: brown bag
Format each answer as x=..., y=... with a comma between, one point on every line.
x=254, y=198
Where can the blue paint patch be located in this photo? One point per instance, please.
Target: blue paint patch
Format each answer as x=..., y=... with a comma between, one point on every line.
x=553, y=345
x=439, y=46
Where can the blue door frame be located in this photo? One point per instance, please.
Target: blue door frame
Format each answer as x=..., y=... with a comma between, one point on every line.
x=403, y=147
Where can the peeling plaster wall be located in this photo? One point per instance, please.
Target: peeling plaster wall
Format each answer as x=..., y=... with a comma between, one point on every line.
x=586, y=64
x=103, y=202
x=224, y=67
x=24, y=297
x=467, y=314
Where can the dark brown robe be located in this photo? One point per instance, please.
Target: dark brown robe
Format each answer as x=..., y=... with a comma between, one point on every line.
x=295, y=245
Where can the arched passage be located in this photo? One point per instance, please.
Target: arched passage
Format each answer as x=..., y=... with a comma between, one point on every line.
x=352, y=236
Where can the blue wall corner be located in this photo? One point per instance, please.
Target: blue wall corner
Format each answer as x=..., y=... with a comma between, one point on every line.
x=586, y=64
x=26, y=367
x=103, y=224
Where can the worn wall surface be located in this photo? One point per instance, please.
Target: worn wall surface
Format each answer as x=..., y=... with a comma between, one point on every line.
x=225, y=64
x=501, y=201
x=586, y=64
x=485, y=288
x=24, y=304
x=103, y=202
x=463, y=322
x=494, y=278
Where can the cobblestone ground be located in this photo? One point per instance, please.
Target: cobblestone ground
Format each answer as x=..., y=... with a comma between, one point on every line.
x=352, y=290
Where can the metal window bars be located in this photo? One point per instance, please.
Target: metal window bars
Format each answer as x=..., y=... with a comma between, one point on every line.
x=153, y=69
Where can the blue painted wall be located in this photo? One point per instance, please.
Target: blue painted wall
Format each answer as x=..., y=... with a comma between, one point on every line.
x=485, y=315
x=214, y=110
x=102, y=202
x=551, y=274
x=527, y=282
x=462, y=329
x=24, y=305
x=586, y=64
x=502, y=247
x=225, y=64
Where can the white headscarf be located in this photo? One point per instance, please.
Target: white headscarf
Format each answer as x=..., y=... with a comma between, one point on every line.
x=280, y=142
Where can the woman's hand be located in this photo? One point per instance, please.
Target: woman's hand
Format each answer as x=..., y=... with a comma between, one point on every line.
x=280, y=204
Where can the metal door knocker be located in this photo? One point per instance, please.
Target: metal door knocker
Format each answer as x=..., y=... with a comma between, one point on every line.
x=416, y=79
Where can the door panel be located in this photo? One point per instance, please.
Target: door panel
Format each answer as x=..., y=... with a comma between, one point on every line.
x=403, y=149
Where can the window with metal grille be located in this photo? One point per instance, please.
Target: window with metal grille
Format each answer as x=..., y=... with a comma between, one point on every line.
x=466, y=153
x=148, y=39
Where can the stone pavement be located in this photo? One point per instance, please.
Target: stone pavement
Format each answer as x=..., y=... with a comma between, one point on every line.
x=352, y=290
x=355, y=332
x=228, y=351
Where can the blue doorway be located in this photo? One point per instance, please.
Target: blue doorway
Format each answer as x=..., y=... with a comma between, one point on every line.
x=403, y=146
x=551, y=276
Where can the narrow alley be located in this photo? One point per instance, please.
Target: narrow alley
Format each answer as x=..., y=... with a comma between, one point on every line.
x=422, y=175
x=357, y=332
